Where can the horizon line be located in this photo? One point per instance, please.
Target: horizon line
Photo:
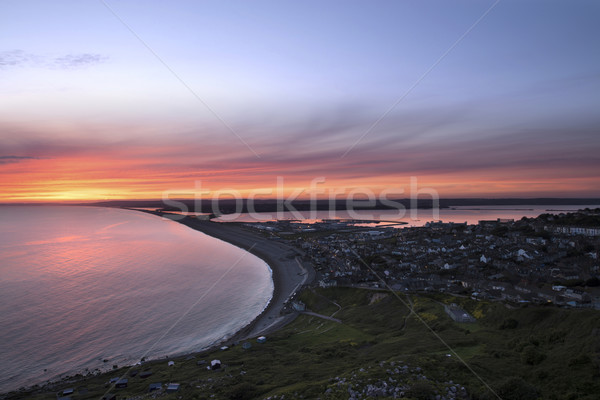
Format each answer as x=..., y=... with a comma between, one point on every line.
x=322, y=199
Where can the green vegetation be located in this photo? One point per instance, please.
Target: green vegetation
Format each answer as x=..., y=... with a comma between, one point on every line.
x=586, y=218
x=525, y=353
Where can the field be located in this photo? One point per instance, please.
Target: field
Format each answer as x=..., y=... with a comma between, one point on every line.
x=383, y=348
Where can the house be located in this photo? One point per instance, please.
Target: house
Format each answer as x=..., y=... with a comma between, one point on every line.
x=68, y=392
x=522, y=289
x=171, y=363
x=155, y=386
x=327, y=283
x=261, y=339
x=546, y=295
x=173, y=387
x=145, y=374
x=215, y=364
x=574, y=294
x=501, y=286
x=298, y=306
x=121, y=383
x=576, y=230
x=246, y=345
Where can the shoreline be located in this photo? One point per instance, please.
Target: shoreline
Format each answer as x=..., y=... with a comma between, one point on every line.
x=287, y=272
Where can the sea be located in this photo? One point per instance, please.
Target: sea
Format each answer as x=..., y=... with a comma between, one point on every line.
x=86, y=288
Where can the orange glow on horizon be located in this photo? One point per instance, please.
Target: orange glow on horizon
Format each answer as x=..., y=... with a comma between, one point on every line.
x=117, y=177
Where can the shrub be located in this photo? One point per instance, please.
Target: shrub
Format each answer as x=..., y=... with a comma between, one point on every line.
x=580, y=360
x=515, y=388
x=532, y=356
x=509, y=323
x=422, y=390
x=242, y=391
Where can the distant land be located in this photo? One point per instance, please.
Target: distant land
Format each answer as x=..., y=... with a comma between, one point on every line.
x=229, y=206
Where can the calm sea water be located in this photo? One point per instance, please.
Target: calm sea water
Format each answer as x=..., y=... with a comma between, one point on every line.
x=470, y=215
x=79, y=285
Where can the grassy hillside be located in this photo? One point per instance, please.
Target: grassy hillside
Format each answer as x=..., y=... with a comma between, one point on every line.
x=381, y=348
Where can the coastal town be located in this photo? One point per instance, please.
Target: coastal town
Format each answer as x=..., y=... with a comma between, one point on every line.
x=548, y=259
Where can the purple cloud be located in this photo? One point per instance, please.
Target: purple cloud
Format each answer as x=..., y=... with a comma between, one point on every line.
x=20, y=58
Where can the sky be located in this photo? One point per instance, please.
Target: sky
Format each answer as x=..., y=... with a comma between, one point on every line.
x=145, y=99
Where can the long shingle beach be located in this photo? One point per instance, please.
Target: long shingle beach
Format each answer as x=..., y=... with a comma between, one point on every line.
x=288, y=271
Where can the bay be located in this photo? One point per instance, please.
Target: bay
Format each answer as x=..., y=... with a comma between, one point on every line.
x=80, y=285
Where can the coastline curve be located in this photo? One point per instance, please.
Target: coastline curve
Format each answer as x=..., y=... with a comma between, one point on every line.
x=287, y=271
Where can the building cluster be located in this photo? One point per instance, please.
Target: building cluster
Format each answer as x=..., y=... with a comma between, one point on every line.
x=549, y=259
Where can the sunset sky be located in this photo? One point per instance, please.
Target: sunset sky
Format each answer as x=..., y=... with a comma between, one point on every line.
x=133, y=99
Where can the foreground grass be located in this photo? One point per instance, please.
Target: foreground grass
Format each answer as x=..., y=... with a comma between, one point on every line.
x=525, y=353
